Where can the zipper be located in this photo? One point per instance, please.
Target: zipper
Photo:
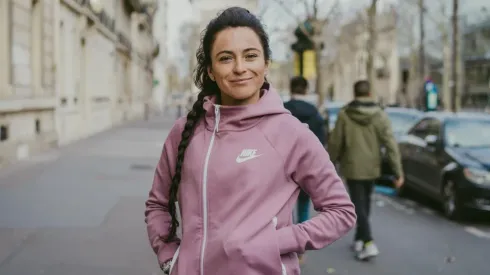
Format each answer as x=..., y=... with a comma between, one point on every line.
x=283, y=267
x=205, y=184
x=174, y=260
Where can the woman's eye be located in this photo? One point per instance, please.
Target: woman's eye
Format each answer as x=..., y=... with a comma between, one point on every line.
x=225, y=58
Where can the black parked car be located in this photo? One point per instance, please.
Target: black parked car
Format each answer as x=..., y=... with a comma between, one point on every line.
x=447, y=157
x=402, y=119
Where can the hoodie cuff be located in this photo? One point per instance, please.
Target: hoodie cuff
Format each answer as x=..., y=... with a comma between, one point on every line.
x=286, y=240
x=167, y=252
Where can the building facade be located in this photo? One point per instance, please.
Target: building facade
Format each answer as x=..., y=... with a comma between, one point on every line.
x=348, y=63
x=160, y=98
x=73, y=68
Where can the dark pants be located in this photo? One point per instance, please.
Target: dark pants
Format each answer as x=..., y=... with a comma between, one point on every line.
x=360, y=194
x=303, y=207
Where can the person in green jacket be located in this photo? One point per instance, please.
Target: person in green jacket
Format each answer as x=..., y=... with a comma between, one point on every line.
x=361, y=129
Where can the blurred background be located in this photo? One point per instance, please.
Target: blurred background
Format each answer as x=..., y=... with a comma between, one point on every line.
x=90, y=88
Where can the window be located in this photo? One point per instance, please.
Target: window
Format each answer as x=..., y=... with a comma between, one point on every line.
x=4, y=132
x=37, y=43
x=426, y=127
x=38, y=126
x=5, y=43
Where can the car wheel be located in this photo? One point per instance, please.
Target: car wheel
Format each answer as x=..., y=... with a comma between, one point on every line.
x=451, y=205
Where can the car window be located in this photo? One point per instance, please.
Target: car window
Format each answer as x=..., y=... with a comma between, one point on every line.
x=401, y=122
x=428, y=126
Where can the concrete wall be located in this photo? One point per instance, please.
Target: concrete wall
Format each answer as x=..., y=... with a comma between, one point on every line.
x=27, y=82
x=68, y=75
x=349, y=64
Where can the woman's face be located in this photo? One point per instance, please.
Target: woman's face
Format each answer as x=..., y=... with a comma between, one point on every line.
x=238, y=65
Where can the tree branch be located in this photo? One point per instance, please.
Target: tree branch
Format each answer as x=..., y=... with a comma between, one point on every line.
x=287, y=10
x=263, y=10
x=307, y=8
x=333, y=9
x=315, y=9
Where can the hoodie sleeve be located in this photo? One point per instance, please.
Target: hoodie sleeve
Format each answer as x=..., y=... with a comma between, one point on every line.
x=388, y=140
x=158, y=219
x=309, y=165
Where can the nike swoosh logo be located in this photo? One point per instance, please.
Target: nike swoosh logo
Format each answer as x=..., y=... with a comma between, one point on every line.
x=240, y=160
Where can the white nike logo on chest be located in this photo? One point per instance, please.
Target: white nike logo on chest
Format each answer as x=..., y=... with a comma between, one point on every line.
x=247, y=154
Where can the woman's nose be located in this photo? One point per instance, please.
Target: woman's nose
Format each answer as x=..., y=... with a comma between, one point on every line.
x=239, y=67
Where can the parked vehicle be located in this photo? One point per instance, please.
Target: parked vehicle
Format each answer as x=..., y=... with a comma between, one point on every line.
x=447, y=157
x=402, y=119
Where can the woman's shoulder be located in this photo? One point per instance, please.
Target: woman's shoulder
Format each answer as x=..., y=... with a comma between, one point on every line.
x=177, y=128
x=285, y=125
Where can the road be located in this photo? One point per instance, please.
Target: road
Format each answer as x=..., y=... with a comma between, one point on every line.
x=78, y=210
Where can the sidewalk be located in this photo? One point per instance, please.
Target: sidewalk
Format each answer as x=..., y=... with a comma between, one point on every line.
x=79, y=209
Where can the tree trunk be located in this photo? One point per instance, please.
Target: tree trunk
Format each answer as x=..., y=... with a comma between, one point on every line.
x=319, y=89
x=371, y=47
x=413, y=82
x=446, y=75
x=455, y=78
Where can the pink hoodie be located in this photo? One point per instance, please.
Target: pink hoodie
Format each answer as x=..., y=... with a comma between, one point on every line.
x=242, y=173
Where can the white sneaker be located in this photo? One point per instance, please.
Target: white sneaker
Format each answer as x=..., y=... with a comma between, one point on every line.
x=370, y=251
x=357, y=246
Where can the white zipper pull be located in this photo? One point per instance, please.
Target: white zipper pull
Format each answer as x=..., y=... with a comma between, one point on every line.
x=274, y=222
x=217, y=117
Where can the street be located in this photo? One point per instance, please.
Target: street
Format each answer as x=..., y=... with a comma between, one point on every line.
x=78, y=210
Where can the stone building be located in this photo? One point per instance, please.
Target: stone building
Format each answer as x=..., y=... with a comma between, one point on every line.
x=348, y=62
x=70, y=69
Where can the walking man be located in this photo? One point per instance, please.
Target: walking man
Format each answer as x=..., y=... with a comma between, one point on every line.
x=308, y=114
x=361, y=129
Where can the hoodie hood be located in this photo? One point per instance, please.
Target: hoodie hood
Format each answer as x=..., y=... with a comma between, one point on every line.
x=240, y=118
x=362, y=110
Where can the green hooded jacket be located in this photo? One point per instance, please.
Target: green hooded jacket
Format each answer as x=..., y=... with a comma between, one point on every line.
x=361, y=129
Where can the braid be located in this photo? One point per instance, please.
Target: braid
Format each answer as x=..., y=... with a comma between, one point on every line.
x=192, y=118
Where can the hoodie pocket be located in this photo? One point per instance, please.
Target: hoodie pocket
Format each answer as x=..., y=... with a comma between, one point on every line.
x=283, y=267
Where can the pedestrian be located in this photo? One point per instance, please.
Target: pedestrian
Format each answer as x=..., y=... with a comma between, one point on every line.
x=308, y=114
x=361, y=129
x=235, y=165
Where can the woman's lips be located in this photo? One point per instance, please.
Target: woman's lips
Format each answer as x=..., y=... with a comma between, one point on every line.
x=240, y=81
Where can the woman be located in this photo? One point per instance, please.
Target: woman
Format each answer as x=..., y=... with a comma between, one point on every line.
x=236, y=164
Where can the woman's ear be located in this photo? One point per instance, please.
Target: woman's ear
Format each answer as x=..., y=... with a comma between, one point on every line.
x=210, y=73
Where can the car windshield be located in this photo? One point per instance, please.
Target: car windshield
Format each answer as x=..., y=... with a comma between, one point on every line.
x=467, y=133
x=333, y=112
x=401, y=122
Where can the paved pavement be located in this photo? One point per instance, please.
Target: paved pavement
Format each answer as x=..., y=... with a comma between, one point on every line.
x=413, y=238
x=79, y=210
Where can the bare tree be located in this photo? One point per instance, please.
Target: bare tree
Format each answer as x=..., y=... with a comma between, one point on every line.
x=319, y=21
x=372, y=41
x=440, y=18
x=173, y=78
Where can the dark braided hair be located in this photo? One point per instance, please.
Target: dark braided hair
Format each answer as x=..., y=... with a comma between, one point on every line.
x=230, y=18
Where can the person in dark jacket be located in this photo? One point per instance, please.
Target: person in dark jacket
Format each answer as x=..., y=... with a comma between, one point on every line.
x=361, y=129
x=308, y=114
